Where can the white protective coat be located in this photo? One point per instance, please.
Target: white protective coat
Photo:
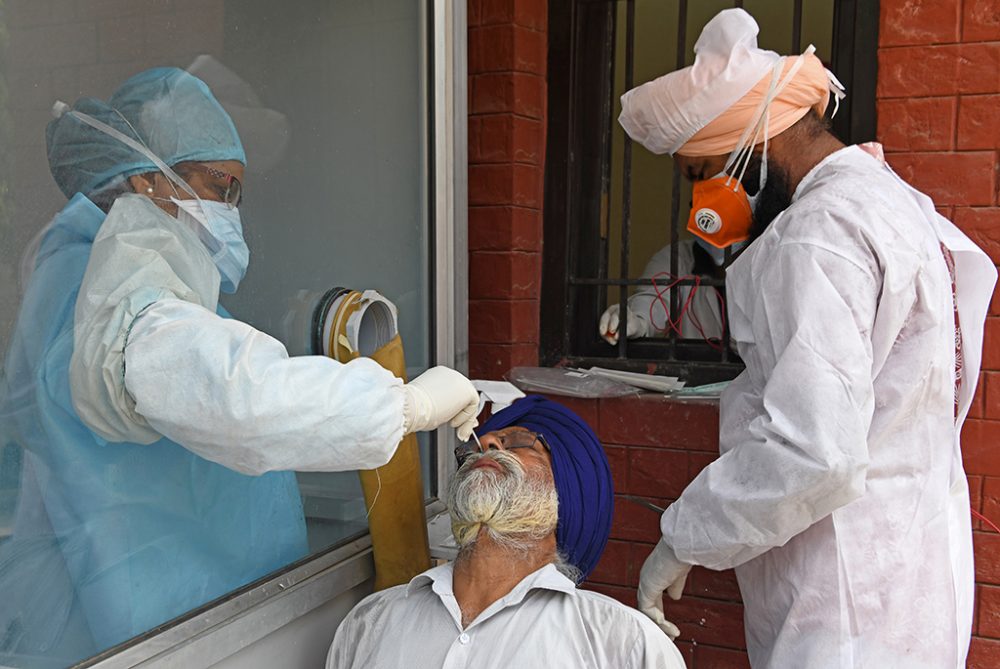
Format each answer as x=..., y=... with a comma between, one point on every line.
x=840, y=495
x=152, y=359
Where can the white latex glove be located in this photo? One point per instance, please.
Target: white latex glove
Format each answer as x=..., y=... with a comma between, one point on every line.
x=637, y=326
x=661, y=571
x=438, y=396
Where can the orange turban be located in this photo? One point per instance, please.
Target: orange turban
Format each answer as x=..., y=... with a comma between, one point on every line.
x=808, y=89
x=704, y=109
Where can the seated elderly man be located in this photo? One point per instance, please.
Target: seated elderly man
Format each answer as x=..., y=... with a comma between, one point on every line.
x=531, y=514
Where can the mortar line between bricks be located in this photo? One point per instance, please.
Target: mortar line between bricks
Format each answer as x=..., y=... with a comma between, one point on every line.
x=504, y=206
x=897, y=47
x=513, y=114
x=506, y=162
x=536, y=119
x=517, y=69
x=948, y=96
x=508, y=23
x=954, y=129
x=504, y=252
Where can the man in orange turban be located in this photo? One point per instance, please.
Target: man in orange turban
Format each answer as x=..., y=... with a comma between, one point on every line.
x=839, y=495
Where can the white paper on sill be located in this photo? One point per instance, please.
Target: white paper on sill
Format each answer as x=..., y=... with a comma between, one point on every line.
x=501, y=393
x=660, y=384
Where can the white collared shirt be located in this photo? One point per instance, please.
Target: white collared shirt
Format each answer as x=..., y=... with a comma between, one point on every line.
x=545, y=621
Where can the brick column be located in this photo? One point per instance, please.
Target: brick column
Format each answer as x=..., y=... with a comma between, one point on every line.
x=507, y=61
x=939, y=119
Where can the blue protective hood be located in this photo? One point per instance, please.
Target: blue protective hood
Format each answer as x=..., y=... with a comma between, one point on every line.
x=170, y=111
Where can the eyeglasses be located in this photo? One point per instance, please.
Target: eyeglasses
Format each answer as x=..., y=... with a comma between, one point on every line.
x=233, y=194
x=508, y=442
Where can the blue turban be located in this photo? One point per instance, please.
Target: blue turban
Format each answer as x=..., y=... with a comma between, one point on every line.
x=581, y=472
x=170, y=111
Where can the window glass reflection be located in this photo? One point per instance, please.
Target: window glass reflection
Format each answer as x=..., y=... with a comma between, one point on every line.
x=104, y=539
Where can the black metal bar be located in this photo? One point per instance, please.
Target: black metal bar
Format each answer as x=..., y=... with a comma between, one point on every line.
x=556, y=230
x=587, y=281
x=797, y=27
x=855, y=62
x=607, y=147
x=626, y=188
x=569, y=241
x=675, y=197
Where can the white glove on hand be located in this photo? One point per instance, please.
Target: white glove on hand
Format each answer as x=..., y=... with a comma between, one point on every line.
x=661, y=571
x=607, y=328
x=438, y=396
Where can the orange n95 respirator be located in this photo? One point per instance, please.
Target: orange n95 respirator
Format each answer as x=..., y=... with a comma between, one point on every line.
x=720, y=211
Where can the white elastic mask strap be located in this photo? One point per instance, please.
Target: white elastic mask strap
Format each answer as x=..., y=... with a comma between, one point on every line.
x=61, y=108
x=753, y=125
x=761, y=117
x=746, y=150
x=838, y=91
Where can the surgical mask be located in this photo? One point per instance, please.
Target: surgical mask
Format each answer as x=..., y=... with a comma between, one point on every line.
x=222, y=223
x=718, y=255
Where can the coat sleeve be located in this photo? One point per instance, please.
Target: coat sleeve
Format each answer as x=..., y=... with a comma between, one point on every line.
x=231, y=394
x=795, y=423
x=152, y=359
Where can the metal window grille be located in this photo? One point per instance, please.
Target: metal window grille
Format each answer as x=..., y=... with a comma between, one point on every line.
x=591, y=165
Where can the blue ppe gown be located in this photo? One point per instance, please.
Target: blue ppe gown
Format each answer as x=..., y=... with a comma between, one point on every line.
x=123, y=536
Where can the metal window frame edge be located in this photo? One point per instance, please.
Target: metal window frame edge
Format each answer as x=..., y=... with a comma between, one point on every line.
x=451, y=211
x=239, y=621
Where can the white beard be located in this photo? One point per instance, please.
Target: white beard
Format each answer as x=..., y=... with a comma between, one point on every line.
x=515, y=510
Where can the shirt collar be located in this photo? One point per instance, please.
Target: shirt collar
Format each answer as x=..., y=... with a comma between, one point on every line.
x=439, y=579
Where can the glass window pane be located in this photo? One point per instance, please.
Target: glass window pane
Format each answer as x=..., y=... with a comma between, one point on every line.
x=103, y=541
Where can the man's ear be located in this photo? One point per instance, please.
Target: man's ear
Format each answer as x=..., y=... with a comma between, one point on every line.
x=142, y=183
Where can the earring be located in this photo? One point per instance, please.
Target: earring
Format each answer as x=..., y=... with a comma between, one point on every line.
x=150, y=190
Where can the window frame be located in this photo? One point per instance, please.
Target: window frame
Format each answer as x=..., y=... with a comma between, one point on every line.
x=578, y=188
x=224, y=627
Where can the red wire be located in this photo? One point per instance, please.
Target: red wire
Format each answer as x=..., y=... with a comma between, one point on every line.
x=685, y=311
x=985, y=520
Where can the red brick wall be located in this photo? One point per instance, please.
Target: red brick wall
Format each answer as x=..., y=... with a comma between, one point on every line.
x=650, y=457
x=939, y=120
x=507, y=61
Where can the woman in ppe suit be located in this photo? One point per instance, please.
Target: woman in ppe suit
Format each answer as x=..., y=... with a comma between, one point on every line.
x=159, y=436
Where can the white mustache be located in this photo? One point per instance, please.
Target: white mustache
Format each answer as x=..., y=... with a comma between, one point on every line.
x=512, y=507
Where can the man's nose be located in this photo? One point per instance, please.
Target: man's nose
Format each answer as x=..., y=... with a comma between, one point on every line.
x=491, y=442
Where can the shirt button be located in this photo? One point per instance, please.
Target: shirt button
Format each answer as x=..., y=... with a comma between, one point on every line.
x=464, y=638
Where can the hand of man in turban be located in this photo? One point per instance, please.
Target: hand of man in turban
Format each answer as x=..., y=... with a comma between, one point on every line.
x=661, y=571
